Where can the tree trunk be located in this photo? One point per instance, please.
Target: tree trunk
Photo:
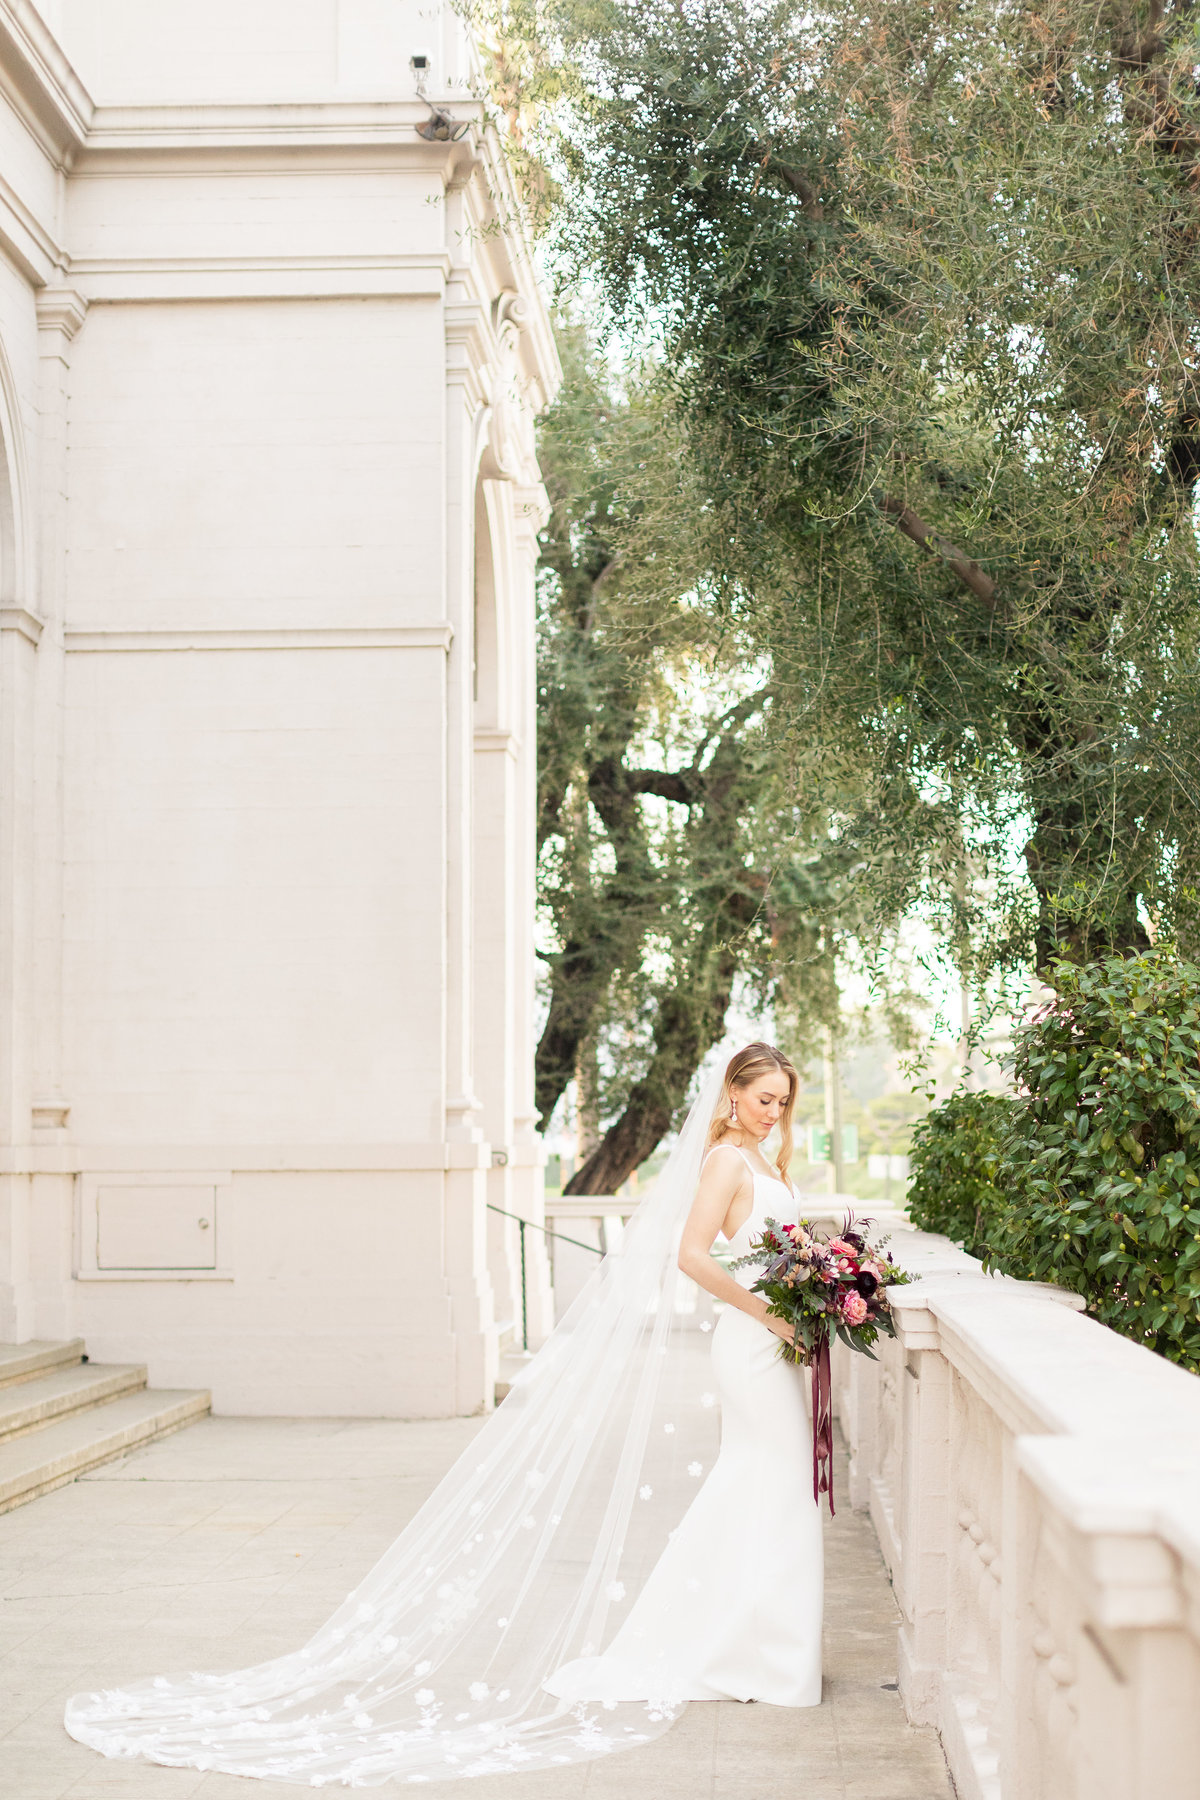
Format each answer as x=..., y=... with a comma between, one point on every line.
x=691, y=1015
x=684, y=1034
x=587, y=963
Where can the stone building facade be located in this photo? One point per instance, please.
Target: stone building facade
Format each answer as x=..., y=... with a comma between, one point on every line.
x=269, y=365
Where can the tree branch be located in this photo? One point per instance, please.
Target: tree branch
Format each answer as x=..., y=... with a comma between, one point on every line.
x=964, y=566
x=610, y=568
x=664, y=783
x=800, y=185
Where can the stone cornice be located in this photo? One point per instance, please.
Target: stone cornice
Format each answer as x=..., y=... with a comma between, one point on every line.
x=538, y=352
x=146, y=278
x=60, y=309
x=94, y=141
x=436, y=636
x=343, y=124
x=38, y=79
x=107, y=141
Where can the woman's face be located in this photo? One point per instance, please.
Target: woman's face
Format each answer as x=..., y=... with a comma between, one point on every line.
x=760, y=1103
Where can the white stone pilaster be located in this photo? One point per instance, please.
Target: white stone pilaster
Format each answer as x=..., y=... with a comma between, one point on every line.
x=466, y=1232
x=61, y=312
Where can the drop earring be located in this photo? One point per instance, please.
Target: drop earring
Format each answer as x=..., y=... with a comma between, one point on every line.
x=733, y=1118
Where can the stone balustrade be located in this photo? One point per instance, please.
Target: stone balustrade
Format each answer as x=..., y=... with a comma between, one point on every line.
x=1034, y=1482
x=594, y=1220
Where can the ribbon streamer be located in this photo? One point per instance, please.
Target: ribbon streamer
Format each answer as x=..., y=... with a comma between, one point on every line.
x=822, y=1423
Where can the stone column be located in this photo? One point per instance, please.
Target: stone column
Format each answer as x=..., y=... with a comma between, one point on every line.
x=20, y=633
x=30, y=846
x=468, y=1156
x=922, y=1575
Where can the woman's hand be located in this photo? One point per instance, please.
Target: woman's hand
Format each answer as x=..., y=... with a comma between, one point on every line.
x=780, y=1327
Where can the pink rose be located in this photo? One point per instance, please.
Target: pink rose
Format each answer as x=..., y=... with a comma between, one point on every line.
x=841, y=1248
x=854, y=1308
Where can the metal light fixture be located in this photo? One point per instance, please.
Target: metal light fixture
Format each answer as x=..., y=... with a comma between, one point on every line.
x=439, y=128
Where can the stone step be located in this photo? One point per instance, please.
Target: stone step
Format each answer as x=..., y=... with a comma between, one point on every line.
x=510, y=1366
x=57, y=1453
x=41, y=1399
x=22, y=1362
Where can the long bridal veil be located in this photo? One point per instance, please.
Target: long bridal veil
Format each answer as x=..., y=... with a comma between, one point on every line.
x=527, y=1555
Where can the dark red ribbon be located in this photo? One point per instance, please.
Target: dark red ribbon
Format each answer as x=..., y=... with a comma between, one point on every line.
x=822, y=1423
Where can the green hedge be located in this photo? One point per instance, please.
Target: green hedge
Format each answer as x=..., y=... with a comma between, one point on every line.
x=956, y=1160
x=1090, y=1175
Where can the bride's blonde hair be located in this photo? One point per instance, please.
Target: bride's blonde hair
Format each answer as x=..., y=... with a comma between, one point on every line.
x=744, y=1067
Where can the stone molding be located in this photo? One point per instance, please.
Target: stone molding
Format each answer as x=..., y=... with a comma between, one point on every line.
x=438, y=636
x=27, y=240
x=133, y=279
x=248, y=1159
x=61, y=310
x=531, y=511
x=469, y=347
x=50, y=1115
x=37, y=77
x=25, y=623
x=247, y=125
x=494, y=739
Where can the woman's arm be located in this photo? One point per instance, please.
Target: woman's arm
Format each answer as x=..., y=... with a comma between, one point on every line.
x=720, y=1181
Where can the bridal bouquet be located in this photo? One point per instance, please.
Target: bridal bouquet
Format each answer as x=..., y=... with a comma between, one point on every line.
x=825, y=1287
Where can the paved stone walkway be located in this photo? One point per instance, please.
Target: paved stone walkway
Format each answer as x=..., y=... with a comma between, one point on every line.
x=230, y=1542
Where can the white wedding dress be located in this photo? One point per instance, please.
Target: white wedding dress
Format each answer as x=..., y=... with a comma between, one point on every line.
x=733, y=1608
x=593, y=1560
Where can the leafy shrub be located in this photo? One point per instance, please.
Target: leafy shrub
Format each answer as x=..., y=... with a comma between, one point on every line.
x=1105, y=1150
x=955, y=1160
x=1095, y=1183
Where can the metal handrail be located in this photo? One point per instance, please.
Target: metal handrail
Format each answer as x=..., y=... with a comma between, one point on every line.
x=546, y=1232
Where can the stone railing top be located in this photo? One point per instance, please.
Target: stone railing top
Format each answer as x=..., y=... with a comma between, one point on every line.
x=1042, y=1365
x=1137, y=1503
x=1039, y=1509
x=590, y=1206
x=1157, y=1487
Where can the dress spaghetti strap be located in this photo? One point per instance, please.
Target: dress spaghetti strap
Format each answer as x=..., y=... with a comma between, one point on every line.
x=739, y=1151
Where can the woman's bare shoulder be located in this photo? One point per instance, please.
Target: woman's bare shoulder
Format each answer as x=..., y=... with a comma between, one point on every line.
x=735, y=1161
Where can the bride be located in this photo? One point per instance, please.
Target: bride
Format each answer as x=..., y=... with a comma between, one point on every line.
x=633, y=1529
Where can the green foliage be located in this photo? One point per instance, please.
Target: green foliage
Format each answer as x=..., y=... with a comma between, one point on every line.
x=917, y=466
x=1105, y=1150
x=958, y=1177
x=681, y=859
x=926, y=280
x=1090, y=1176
